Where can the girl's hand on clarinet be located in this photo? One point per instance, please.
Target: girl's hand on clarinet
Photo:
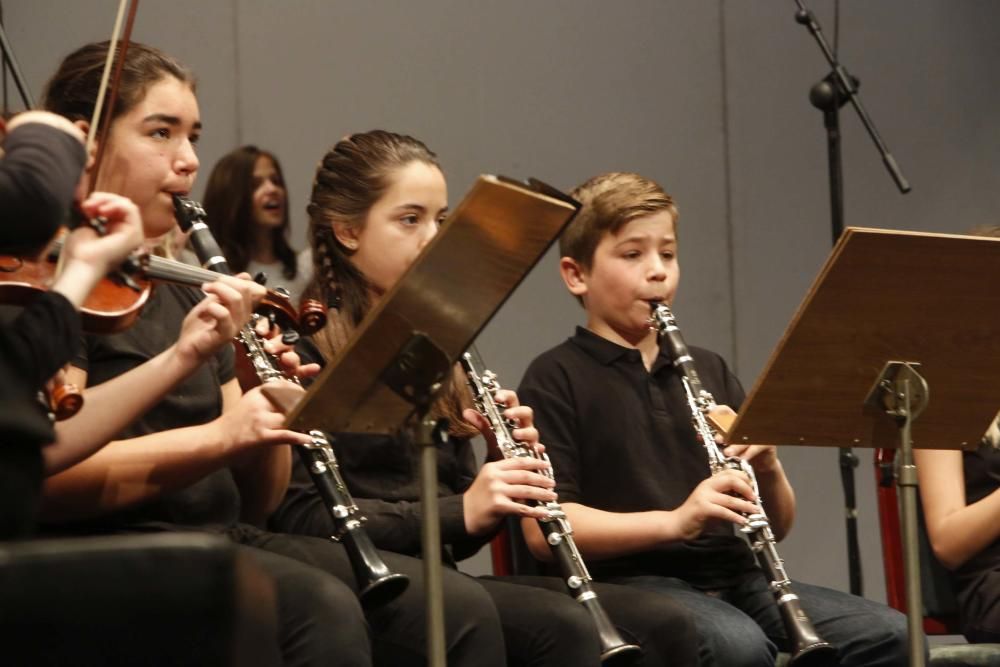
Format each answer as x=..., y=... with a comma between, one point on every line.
x=522, y=416
x=726, y=496
x=216, y=319
x=498, y=489
x=256, y=421
x=274, y=343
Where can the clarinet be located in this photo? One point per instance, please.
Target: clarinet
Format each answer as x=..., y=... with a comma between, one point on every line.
x=807, y=646
x=556, y=528
x=377, y=585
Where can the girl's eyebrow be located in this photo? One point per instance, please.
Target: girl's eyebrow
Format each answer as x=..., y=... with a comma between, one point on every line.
x=173, y=121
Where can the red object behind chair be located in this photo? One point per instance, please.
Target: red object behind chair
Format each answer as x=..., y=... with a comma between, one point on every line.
x=936, y=621
x=501, y=553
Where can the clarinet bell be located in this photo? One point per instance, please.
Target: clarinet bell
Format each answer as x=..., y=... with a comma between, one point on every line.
x=377, y=584
x=817, y=654
x=808, y=648
x=615, y=651
x=621, y=655
x=383, y=590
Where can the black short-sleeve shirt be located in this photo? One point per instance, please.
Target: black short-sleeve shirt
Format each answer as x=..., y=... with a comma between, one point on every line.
x=211, y=502
x=982, y=477
x=620, y=439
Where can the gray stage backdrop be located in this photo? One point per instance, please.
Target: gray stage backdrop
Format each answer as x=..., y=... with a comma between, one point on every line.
x=707, y=97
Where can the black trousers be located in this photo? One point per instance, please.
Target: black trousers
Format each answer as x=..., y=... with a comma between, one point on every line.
x=488, y=622
x=664, y=629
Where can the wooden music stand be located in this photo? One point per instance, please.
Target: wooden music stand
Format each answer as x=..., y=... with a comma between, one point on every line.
x=890, y=315
x=386, y=377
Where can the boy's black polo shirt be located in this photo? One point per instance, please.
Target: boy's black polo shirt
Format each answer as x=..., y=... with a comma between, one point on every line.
x=620, y=439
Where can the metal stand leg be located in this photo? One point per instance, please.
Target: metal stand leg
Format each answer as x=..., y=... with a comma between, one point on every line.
x=902, y=393
x=906, y=481
x=429, y=433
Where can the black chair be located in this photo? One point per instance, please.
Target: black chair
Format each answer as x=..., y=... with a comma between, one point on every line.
x=163, y=599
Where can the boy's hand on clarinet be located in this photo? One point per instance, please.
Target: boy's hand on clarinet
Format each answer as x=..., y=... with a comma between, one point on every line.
x=218, y=317
x=256, y=421
x=763, y=458
x=726, y=496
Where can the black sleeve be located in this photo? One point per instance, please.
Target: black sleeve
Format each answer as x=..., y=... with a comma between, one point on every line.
x=392, y=525
x=453, y=509
x=38, y=177
x=546, y=388
x=726, y=388
x=42, y=339
x=733, y=388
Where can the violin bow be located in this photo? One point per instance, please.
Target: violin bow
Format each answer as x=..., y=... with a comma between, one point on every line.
x=103, y=89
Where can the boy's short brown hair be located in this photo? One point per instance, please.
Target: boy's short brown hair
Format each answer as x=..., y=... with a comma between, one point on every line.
x=610, y=201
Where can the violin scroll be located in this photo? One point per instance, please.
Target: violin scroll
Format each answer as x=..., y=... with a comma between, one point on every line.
x=312, y=316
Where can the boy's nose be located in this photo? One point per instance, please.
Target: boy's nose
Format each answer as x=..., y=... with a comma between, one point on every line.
x=658, y=270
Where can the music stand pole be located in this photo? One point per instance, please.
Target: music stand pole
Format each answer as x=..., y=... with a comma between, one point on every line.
x=903, y=394
x=429, y=433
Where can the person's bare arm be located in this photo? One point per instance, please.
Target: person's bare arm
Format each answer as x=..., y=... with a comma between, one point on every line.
x=957, y=531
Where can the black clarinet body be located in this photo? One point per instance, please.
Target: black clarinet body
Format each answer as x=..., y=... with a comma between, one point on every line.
x=555, y=527
x=808, y=649
x=377, y=585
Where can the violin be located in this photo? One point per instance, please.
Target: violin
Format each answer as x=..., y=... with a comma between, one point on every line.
x=62, y=400
x=118, y=299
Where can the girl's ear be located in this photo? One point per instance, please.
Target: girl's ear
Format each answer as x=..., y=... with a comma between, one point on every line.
x=574, y=275
x=346, y=235
x=92, y=150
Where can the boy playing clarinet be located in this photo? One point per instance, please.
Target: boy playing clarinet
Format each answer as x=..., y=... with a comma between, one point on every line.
x=632, y=475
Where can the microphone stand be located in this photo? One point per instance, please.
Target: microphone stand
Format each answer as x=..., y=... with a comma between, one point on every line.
x=11, y=67
x=835, y=90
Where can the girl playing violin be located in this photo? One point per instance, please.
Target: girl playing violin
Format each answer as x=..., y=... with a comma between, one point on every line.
x=183, y=448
